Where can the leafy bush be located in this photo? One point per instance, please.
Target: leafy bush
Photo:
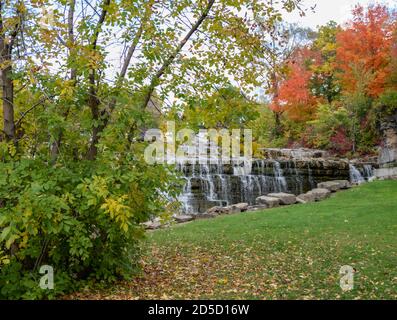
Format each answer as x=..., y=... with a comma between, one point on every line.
x=329, y=120
x=83, y=219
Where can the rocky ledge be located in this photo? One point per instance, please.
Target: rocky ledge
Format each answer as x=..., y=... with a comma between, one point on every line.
x=388, y=149
x=272, y=200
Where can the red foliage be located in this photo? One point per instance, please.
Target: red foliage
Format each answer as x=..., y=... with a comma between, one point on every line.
x=340, y=142
x=366, y=43
x=294, y=93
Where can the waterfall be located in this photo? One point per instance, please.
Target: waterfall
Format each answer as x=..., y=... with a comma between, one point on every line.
x=355, y=175
x=216, y=183
x=281, y=184
x=220, y=184
x=362, y=173
x=368, y=171
x=310, y=177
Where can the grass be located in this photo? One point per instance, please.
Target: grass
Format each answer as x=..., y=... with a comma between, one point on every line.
x=292, y=252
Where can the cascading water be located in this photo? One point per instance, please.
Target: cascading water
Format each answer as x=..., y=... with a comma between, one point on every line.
x=355, y=175
x=368, y=171
x=219, y=184
x=361, y=174
x=310, y=177
x=281, y=184
x=211, y=182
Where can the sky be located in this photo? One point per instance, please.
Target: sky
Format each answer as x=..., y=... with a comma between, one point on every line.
x=326, y=10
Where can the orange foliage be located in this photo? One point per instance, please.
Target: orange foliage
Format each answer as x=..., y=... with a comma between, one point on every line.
x=366, y=45
x=294, y=93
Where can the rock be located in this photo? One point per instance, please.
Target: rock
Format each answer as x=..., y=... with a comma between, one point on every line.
x=183, y=218
x=388, y=129
x=242, y=206
x=298, y=200
x=330, y=185
x=320, y=194
x=285, y=198
x=268, y=202
x=303, y=165
x=344, y=184
x=151, y=225
x=297, y=153
x=306, y=197
x=232, y=209
x=386, y=173
x=257, y=208
x=218, y=210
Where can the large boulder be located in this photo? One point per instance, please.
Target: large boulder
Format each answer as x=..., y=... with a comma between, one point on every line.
x=330, y=185
x=242, y=206
x=232, y=209
x=344, y=184
x=218, y=210
x=285, y=198
x=306, y=198
x=183, y=218
x=320, y=193
x=268, y=202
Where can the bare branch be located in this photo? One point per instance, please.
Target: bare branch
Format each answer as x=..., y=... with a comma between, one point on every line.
x=171, y=58
x=25, y=113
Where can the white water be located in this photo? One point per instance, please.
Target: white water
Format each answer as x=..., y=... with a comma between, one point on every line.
x=210, y=182
x=217, y=184
x=359, y=177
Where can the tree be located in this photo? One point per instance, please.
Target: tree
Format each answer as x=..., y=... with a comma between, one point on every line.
x=74, y=187
x=366, y=44
x=363, y=60
x=324, y=82
x=227, y=108
x=276, y=50
x=11, y=27
x=295, y=95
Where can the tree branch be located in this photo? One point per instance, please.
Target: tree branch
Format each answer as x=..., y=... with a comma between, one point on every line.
x=25, y=113
x=171, y=58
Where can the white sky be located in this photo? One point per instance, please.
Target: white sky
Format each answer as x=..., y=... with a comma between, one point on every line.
x=326, y=10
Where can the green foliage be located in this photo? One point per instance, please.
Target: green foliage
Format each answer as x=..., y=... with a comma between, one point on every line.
x=387, y=102
x=263, y=127
x=81, y=218
x=74, y=187
x=226, y=108
x=324, y=83
x=329, y=119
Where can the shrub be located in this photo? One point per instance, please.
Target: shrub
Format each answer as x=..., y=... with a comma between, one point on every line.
x=83, y=219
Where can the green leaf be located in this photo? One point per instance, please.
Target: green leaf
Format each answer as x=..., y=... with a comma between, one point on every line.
x=4, y=234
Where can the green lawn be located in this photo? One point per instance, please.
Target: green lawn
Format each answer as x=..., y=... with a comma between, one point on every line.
x=292, y=252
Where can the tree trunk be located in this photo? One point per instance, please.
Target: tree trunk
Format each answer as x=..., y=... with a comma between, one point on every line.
x=8, y=103
x=278, y=126
x=6, y=80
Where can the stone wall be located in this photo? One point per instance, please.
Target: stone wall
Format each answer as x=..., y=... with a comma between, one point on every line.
x=220, y=185
x=388, y=149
